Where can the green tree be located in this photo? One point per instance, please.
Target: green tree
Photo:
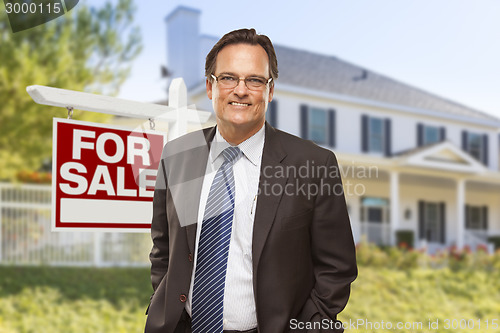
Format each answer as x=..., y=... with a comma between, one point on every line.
x=88, y=49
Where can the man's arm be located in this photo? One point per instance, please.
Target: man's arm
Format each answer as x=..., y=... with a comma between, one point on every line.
x=159, y=229
x=333, y=250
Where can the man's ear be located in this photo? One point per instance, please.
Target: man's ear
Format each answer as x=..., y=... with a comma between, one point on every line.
x=208, y=84
x=271, y=93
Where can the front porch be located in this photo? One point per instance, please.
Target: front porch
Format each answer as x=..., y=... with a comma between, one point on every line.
x=380, y=234
x=440, y=196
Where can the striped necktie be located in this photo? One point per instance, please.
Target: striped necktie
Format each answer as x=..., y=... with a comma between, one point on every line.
x=213, y=249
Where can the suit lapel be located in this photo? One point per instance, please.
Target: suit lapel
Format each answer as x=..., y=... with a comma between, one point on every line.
x=191, y=229
x=193, y=172
x=267, y=202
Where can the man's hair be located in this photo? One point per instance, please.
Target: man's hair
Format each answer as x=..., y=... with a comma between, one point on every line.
x=242, y=36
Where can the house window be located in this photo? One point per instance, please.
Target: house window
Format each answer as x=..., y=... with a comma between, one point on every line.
x=476, y=145
x=318, y=125
x=476, y=218
x=431, y=134
x=374, y=210
x=376, y=135
x=375, y=219
x=427, y=134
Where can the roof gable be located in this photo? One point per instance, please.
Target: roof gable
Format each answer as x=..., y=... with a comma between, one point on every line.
x=445, y=156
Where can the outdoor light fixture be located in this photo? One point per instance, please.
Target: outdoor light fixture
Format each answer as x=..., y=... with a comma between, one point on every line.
x=407, y=213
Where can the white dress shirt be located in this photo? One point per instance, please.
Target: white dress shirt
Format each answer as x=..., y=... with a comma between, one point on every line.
x=239, y=302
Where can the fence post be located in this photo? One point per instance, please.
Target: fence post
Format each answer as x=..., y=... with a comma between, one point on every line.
x=97, y=249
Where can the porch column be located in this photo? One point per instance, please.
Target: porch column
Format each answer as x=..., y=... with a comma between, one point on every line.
x=394, y=201
x=460, y=213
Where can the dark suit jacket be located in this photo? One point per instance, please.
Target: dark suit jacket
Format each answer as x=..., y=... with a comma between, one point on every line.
x=303, y=250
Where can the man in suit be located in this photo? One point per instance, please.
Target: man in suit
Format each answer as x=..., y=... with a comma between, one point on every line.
x=290, y=258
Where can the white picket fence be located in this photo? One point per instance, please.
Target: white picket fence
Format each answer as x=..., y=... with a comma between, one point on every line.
x=26, y=237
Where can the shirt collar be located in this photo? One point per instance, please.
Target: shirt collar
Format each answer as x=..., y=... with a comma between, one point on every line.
x=251, y=147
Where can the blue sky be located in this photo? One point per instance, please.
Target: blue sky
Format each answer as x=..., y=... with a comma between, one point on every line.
x=447, y=47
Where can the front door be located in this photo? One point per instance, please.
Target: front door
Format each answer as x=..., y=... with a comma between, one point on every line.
x=432, y=222
x=375, y=220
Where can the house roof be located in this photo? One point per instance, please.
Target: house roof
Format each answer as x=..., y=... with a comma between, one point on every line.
x=330, y=74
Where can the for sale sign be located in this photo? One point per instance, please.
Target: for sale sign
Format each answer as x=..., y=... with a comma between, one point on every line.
x=103, y=176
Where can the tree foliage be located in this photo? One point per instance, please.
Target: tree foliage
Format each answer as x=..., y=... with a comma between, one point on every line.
x=88, y=49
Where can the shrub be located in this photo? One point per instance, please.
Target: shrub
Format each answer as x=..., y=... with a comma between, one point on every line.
x=495, y=240
x=404, y=238
x=405, y=258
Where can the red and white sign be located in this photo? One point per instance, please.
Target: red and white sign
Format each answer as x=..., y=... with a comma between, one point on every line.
x=103, y=176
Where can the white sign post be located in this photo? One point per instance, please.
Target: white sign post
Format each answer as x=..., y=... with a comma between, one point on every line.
x=103, y=176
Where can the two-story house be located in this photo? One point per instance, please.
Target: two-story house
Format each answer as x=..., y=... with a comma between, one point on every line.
x=412, y=162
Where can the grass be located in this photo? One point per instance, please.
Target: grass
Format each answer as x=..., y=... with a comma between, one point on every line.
x=62, y=299
x=393, y=287
x=418, y=296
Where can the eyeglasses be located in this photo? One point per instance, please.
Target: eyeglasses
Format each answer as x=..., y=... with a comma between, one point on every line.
x=231, y=81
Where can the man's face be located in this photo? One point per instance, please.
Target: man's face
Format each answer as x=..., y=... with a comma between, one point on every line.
x=240, y=108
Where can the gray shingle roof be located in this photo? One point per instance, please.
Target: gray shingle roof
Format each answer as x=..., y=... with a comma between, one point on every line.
x=330, y=74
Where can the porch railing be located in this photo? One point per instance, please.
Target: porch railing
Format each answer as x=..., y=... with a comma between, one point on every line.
x=474, y=238
x=378, y=233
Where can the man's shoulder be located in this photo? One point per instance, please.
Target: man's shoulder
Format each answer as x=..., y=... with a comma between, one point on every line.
x=188, y=142
x=199, y=136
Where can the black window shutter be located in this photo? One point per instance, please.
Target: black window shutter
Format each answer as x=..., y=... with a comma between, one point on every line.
x=465, y=145
x=442, y=212
x=485, y=149
x=387, y=138
x=442, y=133
x=331, y=127
x=420, y=135
x=485, y=217
x=303, y=122
x=364, y=133
x=421, y=219
x=273, y=113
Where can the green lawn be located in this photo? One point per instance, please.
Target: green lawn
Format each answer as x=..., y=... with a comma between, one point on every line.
x=57, y=299
x=392, y=287
x=470, y=299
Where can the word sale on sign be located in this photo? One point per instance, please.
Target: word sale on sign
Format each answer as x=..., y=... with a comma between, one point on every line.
x=103, y=176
